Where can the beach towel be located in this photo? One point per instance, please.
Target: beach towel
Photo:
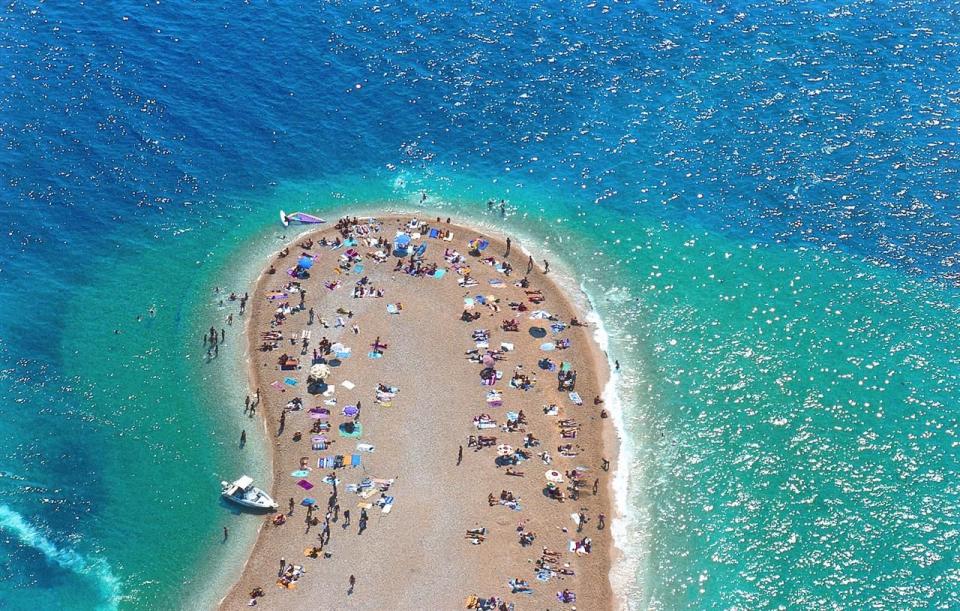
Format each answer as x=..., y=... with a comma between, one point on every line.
x=449, y=237
x=506, y=347
x=357, y=430
x=439, y=273
x=276, y=385
x=290, y=381
x=482, y=245
x=375, y=355
x=355, y=461
x=548, y=346
x=497, y=284
x=392, y=309
x=575, y=397
x=305, y=484
x=358, y=269
x=300, y=473
x=365, y=447
x=348, y=384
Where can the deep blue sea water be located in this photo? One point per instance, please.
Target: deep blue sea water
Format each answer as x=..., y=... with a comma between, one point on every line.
x=760, y=198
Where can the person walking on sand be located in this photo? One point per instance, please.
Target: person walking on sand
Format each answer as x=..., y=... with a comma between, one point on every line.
x=530, y=264
x=546, y=266
x=291, y=504
x=507, y=254
x=459, y=456
x=283, y=565
x=601, y=519
x=346, y=518
x=596, y=486
x=353, y=582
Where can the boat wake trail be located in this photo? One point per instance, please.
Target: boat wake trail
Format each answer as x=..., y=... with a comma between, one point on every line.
x=96, y=569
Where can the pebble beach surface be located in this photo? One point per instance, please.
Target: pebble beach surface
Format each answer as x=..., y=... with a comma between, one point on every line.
x=444, y=539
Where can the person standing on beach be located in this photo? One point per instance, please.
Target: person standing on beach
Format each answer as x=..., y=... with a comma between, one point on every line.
x=346, y=518
x=546, y=266
x=283, y=565
x=226, y=533
x=596, y=486
x=460, y=456
x=530, y=264
x=246, y=404
x=291, y=504
x=600, y=521
x=353, y=581
x=243, y=438
x=507, y=254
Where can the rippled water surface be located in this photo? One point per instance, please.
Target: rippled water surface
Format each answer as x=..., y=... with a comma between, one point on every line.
x=758, y=197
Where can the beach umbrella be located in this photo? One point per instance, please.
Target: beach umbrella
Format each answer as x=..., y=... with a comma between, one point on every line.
x=402, y=240
x=555, y=477
x=504, y=450
x=320, y=371
x=488, y=360
x=305, y=262
x=350, y=411
x=307, y=502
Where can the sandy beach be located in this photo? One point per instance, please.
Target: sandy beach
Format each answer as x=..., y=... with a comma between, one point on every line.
x=441, y=529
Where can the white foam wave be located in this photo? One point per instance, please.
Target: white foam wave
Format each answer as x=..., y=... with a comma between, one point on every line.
x=624, y=569
x=96, y=569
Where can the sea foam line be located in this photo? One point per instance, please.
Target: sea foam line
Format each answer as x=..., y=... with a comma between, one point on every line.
x=97, y=569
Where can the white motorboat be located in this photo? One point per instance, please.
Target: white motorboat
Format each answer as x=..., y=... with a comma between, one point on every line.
x=243, y=492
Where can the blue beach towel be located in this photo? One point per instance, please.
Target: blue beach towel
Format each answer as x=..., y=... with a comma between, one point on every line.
x=290, y=381
x=434, y=233
x=355, y=460
x=439, y=273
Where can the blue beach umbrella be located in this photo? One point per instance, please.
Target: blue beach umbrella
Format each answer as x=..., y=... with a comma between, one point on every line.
x=305, y=262
x=402, y=240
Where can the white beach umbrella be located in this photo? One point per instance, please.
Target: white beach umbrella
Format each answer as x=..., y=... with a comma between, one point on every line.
x=555, y=477
x=320, y=371
x=504, y=450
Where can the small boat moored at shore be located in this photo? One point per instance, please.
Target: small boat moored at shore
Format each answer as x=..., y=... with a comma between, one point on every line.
x=243, y=492
x=300, y=217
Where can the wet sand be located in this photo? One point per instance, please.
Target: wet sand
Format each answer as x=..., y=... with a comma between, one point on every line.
x=417, y=555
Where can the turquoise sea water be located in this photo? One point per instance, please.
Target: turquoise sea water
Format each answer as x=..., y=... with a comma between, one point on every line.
x=758, y=197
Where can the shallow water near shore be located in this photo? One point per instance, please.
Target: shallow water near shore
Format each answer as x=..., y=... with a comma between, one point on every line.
x=756, y=207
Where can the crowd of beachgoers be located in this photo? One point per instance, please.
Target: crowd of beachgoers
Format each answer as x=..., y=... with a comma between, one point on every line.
x=337, y=386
